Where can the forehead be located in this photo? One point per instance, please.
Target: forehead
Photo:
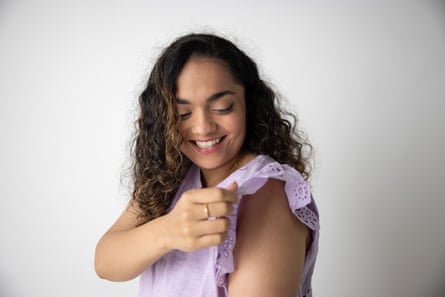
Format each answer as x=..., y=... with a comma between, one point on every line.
x=204, y=73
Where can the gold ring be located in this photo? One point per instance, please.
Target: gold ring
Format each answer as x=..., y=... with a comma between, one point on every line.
x=207, y=210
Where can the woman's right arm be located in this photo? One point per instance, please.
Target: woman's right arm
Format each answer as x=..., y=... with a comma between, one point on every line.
x=128, y=248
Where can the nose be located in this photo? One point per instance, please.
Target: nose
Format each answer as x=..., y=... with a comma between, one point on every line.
x=202, y=124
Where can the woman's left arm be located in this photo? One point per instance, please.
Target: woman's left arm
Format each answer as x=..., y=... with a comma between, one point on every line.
x=271, y=246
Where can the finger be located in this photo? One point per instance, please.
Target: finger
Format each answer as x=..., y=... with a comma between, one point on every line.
x=233, y=187
x=210, y=195
x=219, y=209
x=209, y=227
x=193, y=243
x=211, y=240
x=230, y=192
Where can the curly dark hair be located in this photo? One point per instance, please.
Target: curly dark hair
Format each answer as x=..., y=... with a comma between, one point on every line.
x=159, y=166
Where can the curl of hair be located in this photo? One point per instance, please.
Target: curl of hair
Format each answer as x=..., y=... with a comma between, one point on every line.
x=159, y=166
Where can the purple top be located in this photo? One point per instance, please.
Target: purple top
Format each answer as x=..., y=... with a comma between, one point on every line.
x=204, y=272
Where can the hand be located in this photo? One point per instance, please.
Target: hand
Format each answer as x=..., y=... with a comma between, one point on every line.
x=189, y=227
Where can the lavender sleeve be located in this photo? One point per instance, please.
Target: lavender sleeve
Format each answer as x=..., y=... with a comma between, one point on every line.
x=250, y=179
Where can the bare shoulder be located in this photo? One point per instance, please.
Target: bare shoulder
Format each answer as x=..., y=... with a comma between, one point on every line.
x=269, y=209
x=271, y=245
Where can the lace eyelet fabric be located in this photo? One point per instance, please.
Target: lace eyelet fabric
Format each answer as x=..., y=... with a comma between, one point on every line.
x=307, y=216
x=250, y=179
x=205, y=272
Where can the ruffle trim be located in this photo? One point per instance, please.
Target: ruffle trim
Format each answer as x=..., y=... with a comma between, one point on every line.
x=250, y=179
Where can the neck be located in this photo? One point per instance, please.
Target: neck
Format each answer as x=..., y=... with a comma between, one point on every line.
x=212, y=177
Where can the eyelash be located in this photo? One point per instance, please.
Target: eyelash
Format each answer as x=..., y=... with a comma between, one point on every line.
x=226, y=110
x=184, y=116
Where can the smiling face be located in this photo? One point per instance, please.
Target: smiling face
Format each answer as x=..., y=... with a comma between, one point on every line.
x=212, y=112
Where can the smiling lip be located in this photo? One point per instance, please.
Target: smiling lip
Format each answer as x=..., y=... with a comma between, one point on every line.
x=208, y=146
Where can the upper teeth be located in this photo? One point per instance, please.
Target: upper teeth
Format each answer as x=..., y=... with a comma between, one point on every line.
x=207, y=144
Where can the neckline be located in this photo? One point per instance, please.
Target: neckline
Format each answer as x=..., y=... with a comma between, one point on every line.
x=228, y=177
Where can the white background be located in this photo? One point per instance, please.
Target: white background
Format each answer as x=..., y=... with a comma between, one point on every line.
x=367, y=80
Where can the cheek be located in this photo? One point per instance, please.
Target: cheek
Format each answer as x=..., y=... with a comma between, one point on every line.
x=183, y=146
x=182, y=129
x=238, y=125
x=183, y=134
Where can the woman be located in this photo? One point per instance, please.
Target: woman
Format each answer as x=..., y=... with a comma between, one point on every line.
x=221, y=204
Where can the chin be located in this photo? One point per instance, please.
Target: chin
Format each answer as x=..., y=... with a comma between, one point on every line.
x=207, y=163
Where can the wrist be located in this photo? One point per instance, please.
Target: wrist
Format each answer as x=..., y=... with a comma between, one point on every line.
x=163, y=242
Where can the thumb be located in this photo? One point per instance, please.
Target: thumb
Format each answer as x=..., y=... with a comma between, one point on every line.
x=233, y=187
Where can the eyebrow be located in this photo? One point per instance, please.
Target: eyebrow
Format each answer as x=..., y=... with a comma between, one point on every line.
x=213, y=97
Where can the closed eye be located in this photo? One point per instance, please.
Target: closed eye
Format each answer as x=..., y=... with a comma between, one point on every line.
x=224, y=110
x=184, y=116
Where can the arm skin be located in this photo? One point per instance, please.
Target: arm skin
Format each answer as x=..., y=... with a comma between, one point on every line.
x=122, y=253
x=271, y=245
x=127, y=249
